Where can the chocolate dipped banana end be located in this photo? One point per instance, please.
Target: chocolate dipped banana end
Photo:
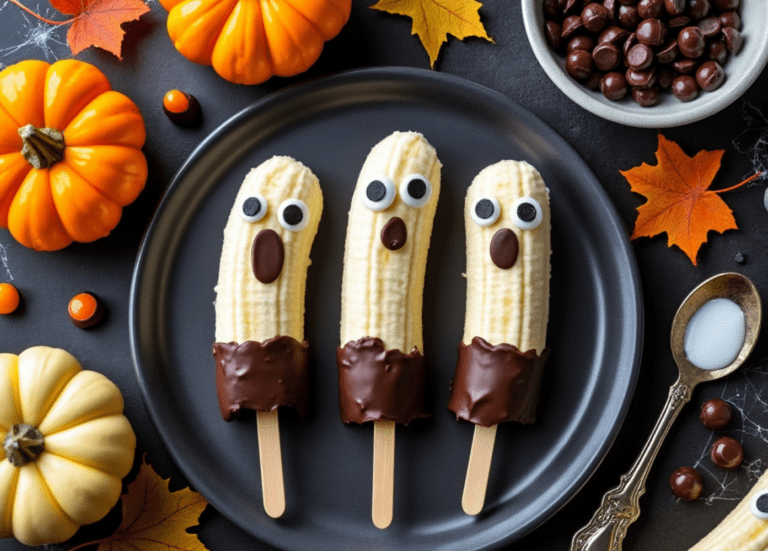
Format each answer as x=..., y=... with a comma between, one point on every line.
x=502, y=352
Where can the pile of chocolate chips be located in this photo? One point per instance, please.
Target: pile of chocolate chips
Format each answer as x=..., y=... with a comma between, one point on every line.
x=643, y=46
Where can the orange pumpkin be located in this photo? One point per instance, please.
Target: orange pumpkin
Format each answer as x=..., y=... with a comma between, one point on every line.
x=70, y=153
x=248, y=41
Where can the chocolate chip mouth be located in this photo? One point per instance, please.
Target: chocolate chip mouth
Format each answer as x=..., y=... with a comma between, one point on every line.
x=504, y=248
x=394, y=234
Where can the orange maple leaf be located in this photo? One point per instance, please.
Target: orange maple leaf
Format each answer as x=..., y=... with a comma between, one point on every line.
x=680, y=202
x=95, y=22
x=433, y=20
x=154, y=518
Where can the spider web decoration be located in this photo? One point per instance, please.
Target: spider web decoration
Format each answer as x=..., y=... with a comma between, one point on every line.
x=34, y=36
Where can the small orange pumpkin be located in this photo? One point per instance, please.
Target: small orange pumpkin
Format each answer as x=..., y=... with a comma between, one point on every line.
x=70, y=153
x=248, y=41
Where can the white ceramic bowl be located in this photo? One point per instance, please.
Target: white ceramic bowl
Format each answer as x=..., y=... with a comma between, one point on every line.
x=741, y=70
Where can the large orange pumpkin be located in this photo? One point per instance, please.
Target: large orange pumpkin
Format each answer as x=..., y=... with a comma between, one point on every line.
x=70, y=153
x=248, y=41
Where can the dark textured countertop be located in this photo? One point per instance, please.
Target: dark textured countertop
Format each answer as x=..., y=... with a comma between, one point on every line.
x=151, y=66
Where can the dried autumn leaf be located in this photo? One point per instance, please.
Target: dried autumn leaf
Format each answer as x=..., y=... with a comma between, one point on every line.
x=156, y=519
x=680, y=202
x=434, y=20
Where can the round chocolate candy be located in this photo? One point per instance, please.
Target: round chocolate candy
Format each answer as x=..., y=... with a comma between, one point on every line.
x=717, y=51
x=650, y=8
x=698, y=9
x=640, y=57
x=641, y=79
x=665, y=77
x=610, y=9
x=709, y=26
x=571, y=25
x=614, y=86
x=86, y=310
x=651, y=32
x=732, y=39
x=730, y=19
x=727, y=453
x=685, y=66
x=686, y=483
x=726, y=5
x=606, y=56
x=182, y=108
x=579, y=64
x=674, y=7
x=613, y=34
x=691, y=43
x=552, y=32
x=580, y=42
x=710, y=75
x=645, y=97
x=685, y=88
x=628, y=44
x=759, y=505
x=716, y=414
x=668, y=53
x=594, y=16
x=628, y=17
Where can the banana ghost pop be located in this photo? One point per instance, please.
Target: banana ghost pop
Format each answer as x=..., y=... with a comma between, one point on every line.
x=502, y=352
x=260, y=352
x=381, y=369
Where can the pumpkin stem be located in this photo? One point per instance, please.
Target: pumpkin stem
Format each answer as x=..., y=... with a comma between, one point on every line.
x=43, y=147
x=23, y=444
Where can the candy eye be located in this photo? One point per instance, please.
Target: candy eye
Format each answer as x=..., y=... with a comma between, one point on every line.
x=293, y=215
x=485, y=211
x=415, y=191
x=527, y=213
x=253, y=208
x=379, y=193
x=759, y=505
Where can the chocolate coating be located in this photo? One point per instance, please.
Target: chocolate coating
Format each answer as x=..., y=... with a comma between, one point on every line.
x=606, y=56
x=376, y=384
x=261, y=376
x=716, y=414
x=494, y=384
x=190, y=117
x=645, y=97
x=614, y=86
x=267, y=256
x=691, y=43
x=686, y=483
x=98, y=315
x=727, y=453
x=594, y=16
x=394, y=234
x=640, y=57
x=504, y=248
x=685, y=88
x=709, y=76
x=651, y=32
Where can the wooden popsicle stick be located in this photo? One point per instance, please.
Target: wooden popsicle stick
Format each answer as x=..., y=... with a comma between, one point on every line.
x=479, y=467
x=383, y=473
x=271, y=463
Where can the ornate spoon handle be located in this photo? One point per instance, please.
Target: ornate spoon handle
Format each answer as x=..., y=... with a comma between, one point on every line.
x=620, y=507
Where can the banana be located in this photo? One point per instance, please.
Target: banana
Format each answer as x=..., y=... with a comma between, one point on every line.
x=381, y=370
x=260, y=353
x=745, y=528
x=497, y=378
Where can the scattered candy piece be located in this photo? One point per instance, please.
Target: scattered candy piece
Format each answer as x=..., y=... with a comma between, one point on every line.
x=86, y=310
x=182, y=108
x=716, y=414
x=759, y=505
x=686, y=483
x=727, y=453
x=740, y=258
x=9, y=298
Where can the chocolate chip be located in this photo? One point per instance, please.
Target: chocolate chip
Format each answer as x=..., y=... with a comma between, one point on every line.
x=717, y=51
x=732, y=38
x=665, y=78
x=730, y=19
x=691, y=43
x=674, y=7
x=645, y=97
x=725, y=5
x=614, y=86
x=651, y=32
x=594, y=16
x=685, y=88
x=640, y=57
x=628, y=45
x=715, y=414
x=552, y=32
x=679, y=22
x=553, y=9
x=650, y=8
x=572, y=7
x=686, y=483
x=580, y=42
x=727, y=453
x=685, y=66
x=710, y=75
x=613, y=34
x=571, y=25
x=606, y=56
x=668, y=52
x=628, y=17
x=579, y=64
x=709, y=26
x=640, y=79
x=698, y=9
x=610, y=9
x=593, y=82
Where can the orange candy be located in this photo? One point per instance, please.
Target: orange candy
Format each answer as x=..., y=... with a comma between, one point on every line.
x=176, y=101
x=9, y=298
x=85, y=310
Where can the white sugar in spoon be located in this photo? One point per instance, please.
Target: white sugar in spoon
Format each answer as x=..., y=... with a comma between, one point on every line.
x=620, y=506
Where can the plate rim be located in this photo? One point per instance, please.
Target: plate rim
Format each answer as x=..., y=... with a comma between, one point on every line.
x=369, y=75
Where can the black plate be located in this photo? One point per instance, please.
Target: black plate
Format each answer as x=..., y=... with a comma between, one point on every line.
x=595, y=330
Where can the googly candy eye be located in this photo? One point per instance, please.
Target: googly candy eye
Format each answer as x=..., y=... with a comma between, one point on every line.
x=759, y=505
x=379, y=193
x=415, y=190
x=253, y=208
x=485, y=211
x=293, y=215
x=527, y=213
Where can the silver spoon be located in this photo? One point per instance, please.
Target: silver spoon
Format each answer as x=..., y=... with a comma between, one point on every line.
x=620, y=506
